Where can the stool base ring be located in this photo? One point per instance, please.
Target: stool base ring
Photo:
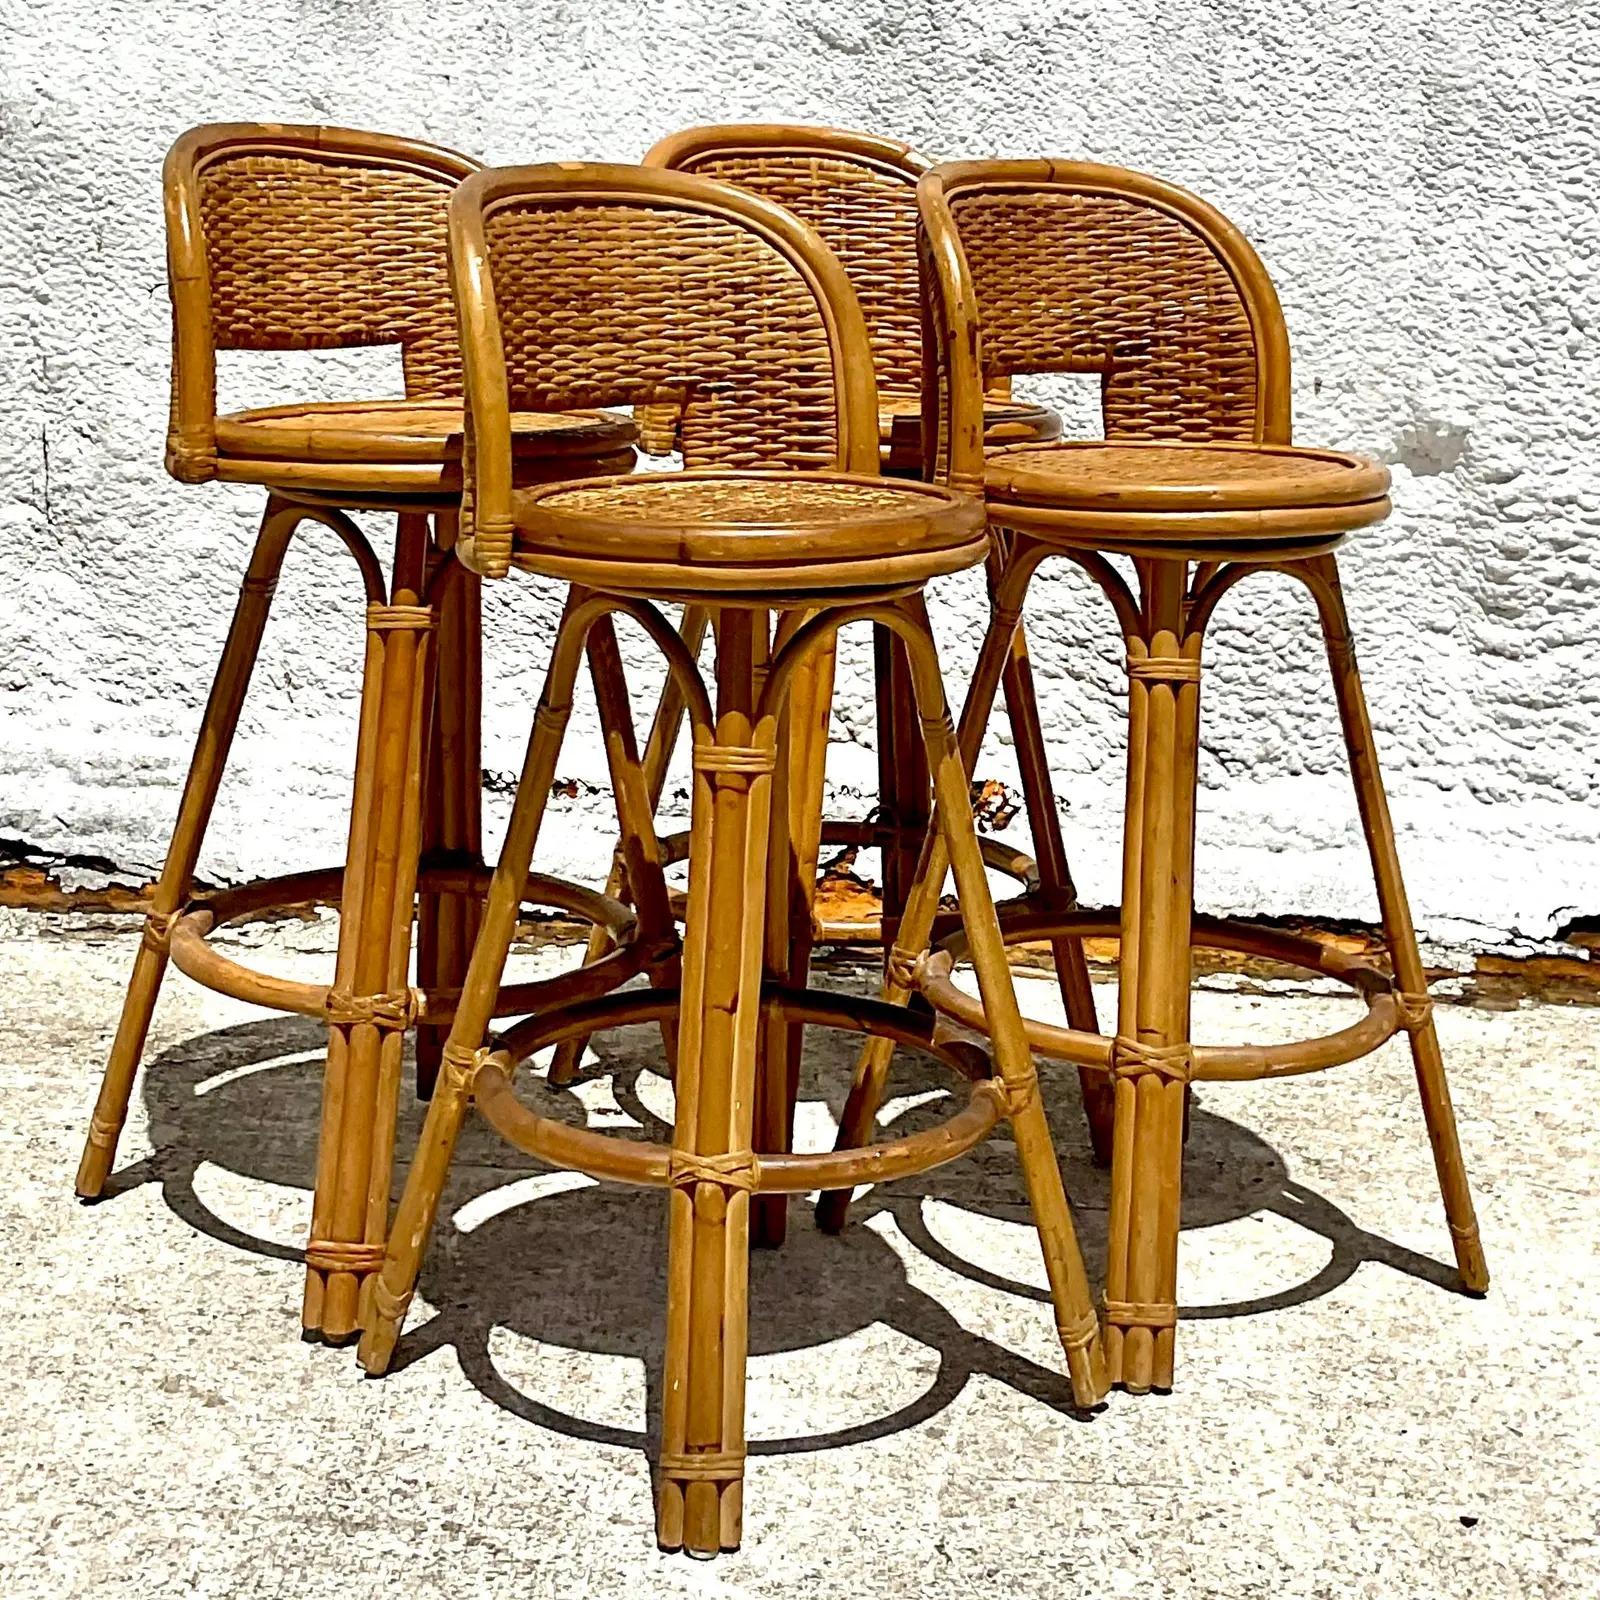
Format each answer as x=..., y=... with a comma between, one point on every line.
x=1387, y=1009
x=998, y=856
x=196, y=958
x=604, y=1156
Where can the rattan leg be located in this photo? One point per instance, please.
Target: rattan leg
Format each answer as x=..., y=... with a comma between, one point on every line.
x=1152, y=1056
x=419, y=1203
x=643, y=861
x=701, y=1480
x=916, y=924
x=1056, y=891
x=369, y=1006
x=447, y=924
x=1069, y=1284
x=794, y=847
x=194, y=812
x=904, y=786
x=1399, y=933
x=663, y=739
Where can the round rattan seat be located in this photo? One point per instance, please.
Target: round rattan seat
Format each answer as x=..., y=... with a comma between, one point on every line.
x=1141, y=493
x=403, y=447
x=743, y=532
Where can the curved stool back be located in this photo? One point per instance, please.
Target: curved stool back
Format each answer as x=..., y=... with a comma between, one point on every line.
x=1067, y=266
x=303, y=238
x=587, y=284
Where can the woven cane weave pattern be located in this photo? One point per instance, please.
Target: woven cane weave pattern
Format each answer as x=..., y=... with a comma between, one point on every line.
x=869, y=220
x=624, y=304
x=1095, y=283
x=779, y=504
x=308, y=253
x=1315, y=477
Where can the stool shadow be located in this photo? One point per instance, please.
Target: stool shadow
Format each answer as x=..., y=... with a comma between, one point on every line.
x=583, y=1268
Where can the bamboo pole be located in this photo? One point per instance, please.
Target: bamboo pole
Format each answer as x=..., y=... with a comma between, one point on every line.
x=217, y=726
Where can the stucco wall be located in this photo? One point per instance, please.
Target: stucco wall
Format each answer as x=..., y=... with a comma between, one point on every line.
x=1420, y=178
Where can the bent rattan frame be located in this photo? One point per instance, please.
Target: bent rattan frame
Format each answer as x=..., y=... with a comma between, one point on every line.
x=1000, y=240
x=297, y=237
x=733, y=1119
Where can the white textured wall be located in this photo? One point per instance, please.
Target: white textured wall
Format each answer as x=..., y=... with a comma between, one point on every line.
x=1420, y=178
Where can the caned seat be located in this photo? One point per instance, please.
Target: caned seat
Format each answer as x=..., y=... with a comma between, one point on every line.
x=746, y=534
x=400, y=447
x=602, y=285
x=1067, y=266
x=1148, y=496
x=308, y=238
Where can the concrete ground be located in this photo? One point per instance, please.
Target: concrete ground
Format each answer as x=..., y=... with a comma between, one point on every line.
x=1344, y=1423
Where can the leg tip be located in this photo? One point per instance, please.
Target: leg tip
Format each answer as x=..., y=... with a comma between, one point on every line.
x=93, y=1170
x=832, y=1209
x=1471, y=1267
x=375, y=1351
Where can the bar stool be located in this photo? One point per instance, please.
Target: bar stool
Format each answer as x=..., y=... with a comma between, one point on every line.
x=583, y=284
x=293, y=238
x=1062, y=266
x=858, y=191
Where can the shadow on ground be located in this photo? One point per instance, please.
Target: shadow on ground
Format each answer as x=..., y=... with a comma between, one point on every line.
x=584, y=1267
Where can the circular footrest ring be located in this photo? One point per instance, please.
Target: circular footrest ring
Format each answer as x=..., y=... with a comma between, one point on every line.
x=1388, y=1011
x=186, y=937
x=998, y=856
x=652, y=1165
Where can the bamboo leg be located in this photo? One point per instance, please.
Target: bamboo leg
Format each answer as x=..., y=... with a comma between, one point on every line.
x=1056, y=890
x=1411, y=979
x=922, y=902
x=419, y=1203
x=701, y=1481
x=1016, y=1077
x=447, y=924
x=1153, y=1056
x=904, y=786
x=370, y=1004
x=794, y=847
x=663, y=739
x=217, y=727
x=642, y=857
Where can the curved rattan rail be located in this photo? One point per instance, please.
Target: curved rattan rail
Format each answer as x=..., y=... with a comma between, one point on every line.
x=1388, y=1011
x=640, y=1162
x=186, y=938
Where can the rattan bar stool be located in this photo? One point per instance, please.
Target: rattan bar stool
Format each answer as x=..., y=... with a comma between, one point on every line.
x=292, y=238
x=858, y=191
x=1057, y=266
x=585, y=285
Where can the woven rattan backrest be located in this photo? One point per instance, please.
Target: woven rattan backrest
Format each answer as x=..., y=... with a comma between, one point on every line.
x=858, y=191
x=304, y=238
x=586, y=284
x=1071, y=267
